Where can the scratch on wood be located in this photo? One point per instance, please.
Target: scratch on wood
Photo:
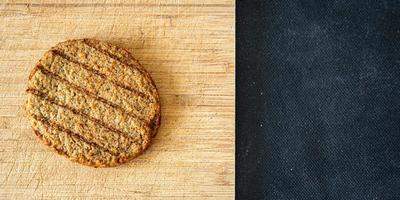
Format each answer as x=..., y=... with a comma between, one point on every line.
x=40, y=177
x=30, y=180
x=131, y=191
x=9, y=172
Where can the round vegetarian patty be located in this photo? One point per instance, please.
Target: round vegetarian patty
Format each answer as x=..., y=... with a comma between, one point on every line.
x=92, y=102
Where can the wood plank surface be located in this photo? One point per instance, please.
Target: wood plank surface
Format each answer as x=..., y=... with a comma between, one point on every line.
x=188, y=48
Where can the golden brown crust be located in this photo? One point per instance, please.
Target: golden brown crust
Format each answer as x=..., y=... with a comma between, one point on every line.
x=56, y=92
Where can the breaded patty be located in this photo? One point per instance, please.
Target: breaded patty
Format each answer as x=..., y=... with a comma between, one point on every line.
x=92, y=102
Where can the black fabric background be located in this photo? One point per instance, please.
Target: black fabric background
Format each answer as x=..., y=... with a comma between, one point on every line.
x=318, y=99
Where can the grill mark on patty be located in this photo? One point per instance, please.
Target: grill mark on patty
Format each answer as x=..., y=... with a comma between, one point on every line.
x=85, y=41
x=83, y=126
x=117, y=57
x=135, y=65
x=59, y=127
x=102, y=75
x=90, y=94
x=65, y=95
x=80, y=113
x=60, y=150
x=50, y=143
x=132, y=103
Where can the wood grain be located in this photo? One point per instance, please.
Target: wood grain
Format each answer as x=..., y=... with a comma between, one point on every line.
x=188, y=48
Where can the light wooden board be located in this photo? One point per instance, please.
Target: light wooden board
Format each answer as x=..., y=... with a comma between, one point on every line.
x=188, y=48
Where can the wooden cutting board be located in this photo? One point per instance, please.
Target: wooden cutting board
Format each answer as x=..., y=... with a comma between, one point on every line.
x=188, y=48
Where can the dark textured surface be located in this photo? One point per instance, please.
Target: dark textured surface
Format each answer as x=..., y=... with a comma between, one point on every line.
x=318, y=100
